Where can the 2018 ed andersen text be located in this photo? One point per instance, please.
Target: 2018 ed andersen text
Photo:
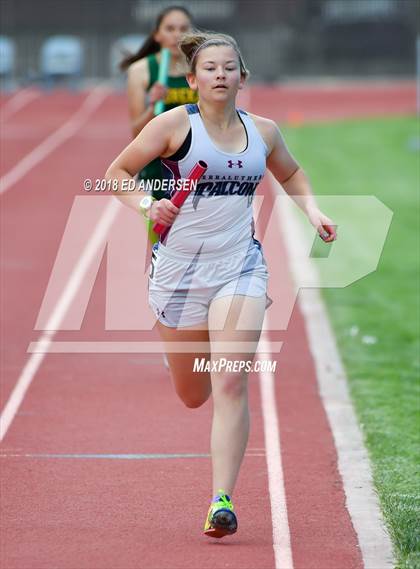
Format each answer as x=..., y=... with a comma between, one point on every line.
x=132, y=185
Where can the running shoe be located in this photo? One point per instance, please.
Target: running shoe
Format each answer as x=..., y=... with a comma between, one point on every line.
x=221, y=519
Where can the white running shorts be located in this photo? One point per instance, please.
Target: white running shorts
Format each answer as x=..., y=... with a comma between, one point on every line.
x=181, y=288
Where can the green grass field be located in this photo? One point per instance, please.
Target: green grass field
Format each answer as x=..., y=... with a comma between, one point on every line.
x=376, y=157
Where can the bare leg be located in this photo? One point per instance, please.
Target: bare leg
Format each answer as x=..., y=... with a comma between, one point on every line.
x=230, y=426
x=193, y=388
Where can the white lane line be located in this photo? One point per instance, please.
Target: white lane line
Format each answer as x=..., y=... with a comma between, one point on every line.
x=118, y=456
x=89, y=253
x=54, y=140
x=281, y=532
x=17, y=102
x=353, y=461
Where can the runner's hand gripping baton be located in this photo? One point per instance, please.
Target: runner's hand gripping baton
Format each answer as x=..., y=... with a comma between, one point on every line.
x=165, y=58
x=180, y=196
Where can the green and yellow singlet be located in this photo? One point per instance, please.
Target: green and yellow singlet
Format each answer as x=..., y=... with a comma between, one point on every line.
x=179, y=93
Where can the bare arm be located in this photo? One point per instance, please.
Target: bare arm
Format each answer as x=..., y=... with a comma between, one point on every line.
x=295, y=183
x=141, y=103
x=152, y=142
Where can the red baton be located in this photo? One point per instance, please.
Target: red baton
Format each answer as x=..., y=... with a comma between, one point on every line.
x=180, y=196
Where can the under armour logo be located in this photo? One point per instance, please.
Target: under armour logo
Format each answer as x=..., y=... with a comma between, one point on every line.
x=232, y=164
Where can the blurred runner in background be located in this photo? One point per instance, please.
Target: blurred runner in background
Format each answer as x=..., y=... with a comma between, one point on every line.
x=142, y=69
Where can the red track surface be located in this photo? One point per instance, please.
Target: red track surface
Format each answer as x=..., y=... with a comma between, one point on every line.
x=68, y=513
x=302, y=103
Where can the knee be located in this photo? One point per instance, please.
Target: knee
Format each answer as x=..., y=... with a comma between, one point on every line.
x=193, y=402
x=193, y=399
x=231, y=386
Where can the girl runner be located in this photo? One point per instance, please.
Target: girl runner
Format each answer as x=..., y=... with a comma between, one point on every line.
x=208, y=276
x=144, y=91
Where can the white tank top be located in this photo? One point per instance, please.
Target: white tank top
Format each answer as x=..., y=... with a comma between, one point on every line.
x=217, y=216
